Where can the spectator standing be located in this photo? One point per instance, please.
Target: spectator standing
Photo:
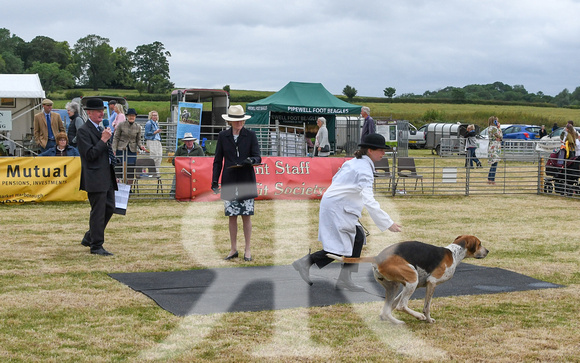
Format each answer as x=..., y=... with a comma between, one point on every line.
x=321, y=144
x=543, y=132
x=153, y=139
x=189, y=148
x=341, y=207
x=126, y=143
x=369, y=126
x=570, y=141
x=554, y=127
x=46, y=125
x=62, y=147
x=495, y=136
x=470, y=146
x=76, y=121
x=112, y=113
x=97, y=175
x=237, y=150
x=120, y=116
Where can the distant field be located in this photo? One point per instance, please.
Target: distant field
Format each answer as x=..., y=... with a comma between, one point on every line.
x=417, y=113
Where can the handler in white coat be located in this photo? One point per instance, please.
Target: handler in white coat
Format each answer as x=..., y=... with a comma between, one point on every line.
x=340, y=209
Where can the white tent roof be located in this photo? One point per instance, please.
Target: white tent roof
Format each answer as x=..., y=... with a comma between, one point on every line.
x=20, y=86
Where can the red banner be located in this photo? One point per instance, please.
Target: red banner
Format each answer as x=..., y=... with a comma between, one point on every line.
x=276, y=177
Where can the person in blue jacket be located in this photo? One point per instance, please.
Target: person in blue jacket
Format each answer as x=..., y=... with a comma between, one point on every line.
x=62, y=147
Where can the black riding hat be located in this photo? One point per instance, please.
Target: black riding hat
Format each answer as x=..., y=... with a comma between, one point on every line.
x=374, y=141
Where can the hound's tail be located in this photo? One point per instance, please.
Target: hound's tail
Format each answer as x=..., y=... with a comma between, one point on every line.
x=351, y=259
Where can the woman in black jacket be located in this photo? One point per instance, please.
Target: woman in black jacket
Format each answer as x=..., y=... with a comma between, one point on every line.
x=237, y=150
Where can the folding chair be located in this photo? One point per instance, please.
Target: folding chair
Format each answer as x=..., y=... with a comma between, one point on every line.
x=406, y=170
x=382, y=171
x=149, y=164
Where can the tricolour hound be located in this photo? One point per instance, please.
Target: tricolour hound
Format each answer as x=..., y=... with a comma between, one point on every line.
x=415, y=264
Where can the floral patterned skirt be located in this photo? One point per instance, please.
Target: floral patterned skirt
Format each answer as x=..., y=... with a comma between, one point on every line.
x=239, y=207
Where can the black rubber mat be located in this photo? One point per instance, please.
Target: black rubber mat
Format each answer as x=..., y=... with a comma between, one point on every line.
x=223, y=290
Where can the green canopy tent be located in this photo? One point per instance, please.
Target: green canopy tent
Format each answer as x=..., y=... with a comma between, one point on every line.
x=299, y=103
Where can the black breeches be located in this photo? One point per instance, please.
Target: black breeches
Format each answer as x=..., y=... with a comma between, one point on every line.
x=321, y=260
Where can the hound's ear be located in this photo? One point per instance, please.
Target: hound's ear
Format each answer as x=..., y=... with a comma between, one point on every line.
x=460, y=240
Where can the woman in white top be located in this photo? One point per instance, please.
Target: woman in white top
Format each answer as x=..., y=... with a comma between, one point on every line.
x=321, y=142
x=340, y=208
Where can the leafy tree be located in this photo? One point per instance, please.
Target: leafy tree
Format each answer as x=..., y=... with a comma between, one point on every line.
x=9, y=43
x=150, y=61
x=227, y=88
x=159, y=84
x=389, y=92
x=45, y=50
x=563, y=98
x=51, y=76
x=349, y=92
x=10, y=63
x=140, y=87
x=458, y=95
x=94, y=59
x=123, y=77
x=575, y=95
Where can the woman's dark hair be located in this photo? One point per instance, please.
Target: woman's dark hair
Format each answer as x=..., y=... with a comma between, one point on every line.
x=360, y=152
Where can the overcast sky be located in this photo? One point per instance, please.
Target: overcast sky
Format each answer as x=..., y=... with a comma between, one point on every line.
x=411, y=45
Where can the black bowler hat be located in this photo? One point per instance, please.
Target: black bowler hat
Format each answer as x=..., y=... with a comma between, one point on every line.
x=131, y=111
x=374, y=141
x=94, y=104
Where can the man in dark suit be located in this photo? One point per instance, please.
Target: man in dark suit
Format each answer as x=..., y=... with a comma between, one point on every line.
x=369, y=126
x=97, y=175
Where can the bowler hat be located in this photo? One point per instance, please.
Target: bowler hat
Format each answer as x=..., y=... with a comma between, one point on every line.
x=94, y=104
x=374, y=141
x=236, y=113
x=131, y=111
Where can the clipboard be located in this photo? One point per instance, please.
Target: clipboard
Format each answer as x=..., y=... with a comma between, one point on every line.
x=122, y=198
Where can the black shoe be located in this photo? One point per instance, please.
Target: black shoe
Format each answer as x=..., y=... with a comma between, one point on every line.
x=345, y=282
x=348, y=285
x=247, y=258
x=101, y=251
x=235, y=255
x=303, y=266
x=85, y=243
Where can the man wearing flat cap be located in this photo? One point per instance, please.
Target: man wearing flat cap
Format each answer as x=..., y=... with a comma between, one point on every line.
x=97, y=175
x=47, y=125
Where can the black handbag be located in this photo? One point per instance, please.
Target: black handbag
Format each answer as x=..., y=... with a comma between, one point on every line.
x=325, y=149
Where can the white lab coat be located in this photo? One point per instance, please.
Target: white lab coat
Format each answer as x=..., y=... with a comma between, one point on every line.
x=342, y=204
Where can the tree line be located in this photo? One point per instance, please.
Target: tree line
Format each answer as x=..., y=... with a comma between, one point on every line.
x=476, y=93
x=90, y=63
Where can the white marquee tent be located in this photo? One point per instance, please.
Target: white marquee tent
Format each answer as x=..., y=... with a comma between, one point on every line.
x=21, y=95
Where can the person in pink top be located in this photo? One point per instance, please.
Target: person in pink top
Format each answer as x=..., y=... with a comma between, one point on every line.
x=120, y=116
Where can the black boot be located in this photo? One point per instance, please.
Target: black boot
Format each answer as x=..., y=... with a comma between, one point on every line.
x=345, y=282
x=303, y=266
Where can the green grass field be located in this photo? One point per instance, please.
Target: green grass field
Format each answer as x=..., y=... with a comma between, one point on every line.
x=59, y=305
x=417, y=113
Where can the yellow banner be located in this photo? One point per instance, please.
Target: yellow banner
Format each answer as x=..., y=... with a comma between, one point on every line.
x=40, y=179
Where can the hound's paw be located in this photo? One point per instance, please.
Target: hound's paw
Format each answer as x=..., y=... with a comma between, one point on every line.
x=391, y=319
